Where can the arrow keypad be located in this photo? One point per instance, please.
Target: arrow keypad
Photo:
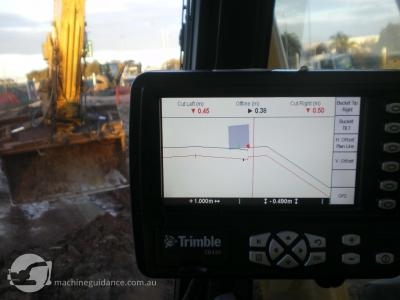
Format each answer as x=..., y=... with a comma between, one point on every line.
x=289, y=249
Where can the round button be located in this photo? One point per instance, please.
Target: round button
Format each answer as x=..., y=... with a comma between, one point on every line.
x=390, y=166
x=351, y=258
x=384, y=258
x=351, y=239
x=391, y=147
x=393, y=108
x=388, y=185
x=392, y=127
x=387, y=204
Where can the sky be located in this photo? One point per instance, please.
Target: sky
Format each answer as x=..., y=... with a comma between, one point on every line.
x=148, y=30
x=142, y=30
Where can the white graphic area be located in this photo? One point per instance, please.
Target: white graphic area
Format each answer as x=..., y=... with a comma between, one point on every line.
x=283, y=147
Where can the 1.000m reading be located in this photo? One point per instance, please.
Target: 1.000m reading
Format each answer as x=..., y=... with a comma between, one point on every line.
x=204, y=201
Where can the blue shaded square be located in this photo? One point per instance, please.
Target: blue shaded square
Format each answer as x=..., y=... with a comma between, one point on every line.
x=238, y=136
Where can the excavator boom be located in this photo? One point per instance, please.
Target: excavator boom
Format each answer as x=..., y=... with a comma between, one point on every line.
x=67, y=46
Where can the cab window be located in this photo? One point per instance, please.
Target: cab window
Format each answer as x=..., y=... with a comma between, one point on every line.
x=339, y=34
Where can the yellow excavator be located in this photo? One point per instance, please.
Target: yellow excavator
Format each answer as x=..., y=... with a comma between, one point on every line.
x=64, y=145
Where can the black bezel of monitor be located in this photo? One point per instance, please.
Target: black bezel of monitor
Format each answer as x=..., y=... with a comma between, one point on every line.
x=152, y=218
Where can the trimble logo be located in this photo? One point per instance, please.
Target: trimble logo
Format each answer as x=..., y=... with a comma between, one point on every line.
x=184, y=241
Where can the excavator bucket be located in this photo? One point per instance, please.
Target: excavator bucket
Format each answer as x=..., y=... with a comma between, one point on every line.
x=66, y=171
x=82, y=160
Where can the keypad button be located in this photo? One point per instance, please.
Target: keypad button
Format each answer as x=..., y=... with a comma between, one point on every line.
x=275, y=249
x=389, y=186
x=287, y=237
x=315, y=258
x=390, y=166
x=393, y=108
x=351, y=240
x=316, y=241
x=300, y=250
x=391, y=148
x=393, y=127
x=384, y=258
x=387, y=204
x=351, y=258
x=259, y=257
x=287, y=262
x=259, y=240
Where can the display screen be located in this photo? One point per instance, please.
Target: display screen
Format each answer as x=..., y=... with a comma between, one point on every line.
x=264, y=151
